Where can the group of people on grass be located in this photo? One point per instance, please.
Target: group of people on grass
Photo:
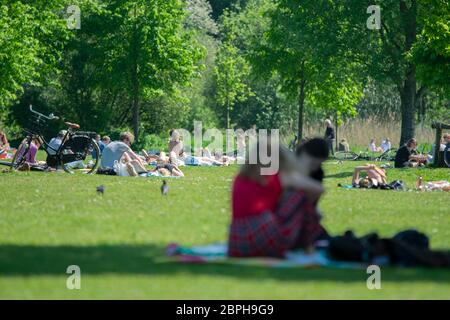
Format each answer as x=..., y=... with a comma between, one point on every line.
x=118, y=158
x=385, y=145
x=344, y=145
x=407, y=155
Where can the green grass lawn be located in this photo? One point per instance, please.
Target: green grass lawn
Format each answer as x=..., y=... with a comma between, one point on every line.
x=51, y=220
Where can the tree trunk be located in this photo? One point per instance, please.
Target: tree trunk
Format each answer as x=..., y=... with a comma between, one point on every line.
x=407, y=97
x=336, y=129
x=136, y=118
x=135, y=99
x=408, y=89
x=135, y=80
x=228, y=114
x=301, y=103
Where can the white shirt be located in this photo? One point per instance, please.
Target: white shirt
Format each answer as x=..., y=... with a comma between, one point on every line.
x=385, y=146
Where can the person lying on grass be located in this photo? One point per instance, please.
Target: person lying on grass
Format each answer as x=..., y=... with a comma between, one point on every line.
x=165, y=166
x=272, y=214
x=116, y=151
x=203, y=157
x=375, y=176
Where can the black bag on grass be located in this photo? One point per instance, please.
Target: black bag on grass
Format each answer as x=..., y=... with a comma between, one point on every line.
x=107, y=171
x=408, y=248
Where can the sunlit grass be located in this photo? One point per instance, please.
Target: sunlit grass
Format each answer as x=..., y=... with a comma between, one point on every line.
x=50, y=221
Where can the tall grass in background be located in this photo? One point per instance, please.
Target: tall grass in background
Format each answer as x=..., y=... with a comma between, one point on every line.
x=358, y=132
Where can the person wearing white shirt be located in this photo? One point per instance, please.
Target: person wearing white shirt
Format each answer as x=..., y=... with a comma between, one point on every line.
x=386, y=145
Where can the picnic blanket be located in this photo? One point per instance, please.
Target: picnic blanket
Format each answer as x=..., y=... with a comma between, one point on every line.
x=152, y=174
x=217, y=253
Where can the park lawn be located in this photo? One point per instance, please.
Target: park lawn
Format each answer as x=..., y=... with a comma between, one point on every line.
x=49, y=221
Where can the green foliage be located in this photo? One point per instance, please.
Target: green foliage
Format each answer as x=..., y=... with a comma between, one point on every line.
x=431, y=52
x=32, y=35
x=311, y=64
x=230, y=72
x=154, y=65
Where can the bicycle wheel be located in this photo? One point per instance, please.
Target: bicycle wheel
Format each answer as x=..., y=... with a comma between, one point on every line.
x=20, y=155
x=447, y=155
x=76, y=155
x=345, y=155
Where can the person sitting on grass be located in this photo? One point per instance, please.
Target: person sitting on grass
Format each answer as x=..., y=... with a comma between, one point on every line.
x=344, y=146
x=386, y=145
x=272, y=214
x=117, y=149
x=30, y=157
x=4, y=145
x=106, y=140
x=373, y=147
x=56, y=142
x=375, y=177
x=176, y=146
x=100, y=144
x=408, y=157
x=445, y=141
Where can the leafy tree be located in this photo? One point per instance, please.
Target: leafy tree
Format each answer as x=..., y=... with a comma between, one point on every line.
x=32, y=34
x=431, y=51
x=201, y=94
x=387, y=51
x=312, y=67
x=147, y=49
x=230, y=72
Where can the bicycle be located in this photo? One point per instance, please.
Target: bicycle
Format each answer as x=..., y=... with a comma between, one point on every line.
x=73, y=152
x=388, y=155
x=352, y=156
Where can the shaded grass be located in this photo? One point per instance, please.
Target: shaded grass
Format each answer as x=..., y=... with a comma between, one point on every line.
x=55, y=220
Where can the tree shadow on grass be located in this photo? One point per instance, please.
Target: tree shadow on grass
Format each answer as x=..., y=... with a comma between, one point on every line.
x=18, y=260
x=340, y=175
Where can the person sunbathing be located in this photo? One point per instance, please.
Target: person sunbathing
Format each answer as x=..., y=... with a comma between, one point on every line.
x=375, y=176
x=165, y=166
x=203, y=157
x=272, y=214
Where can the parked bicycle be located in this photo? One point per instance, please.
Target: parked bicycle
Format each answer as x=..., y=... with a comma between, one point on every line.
x=73, y=153
x=350, y=155
x=388, y=155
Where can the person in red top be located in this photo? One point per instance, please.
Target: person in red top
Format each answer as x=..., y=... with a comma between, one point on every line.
x=275, y=213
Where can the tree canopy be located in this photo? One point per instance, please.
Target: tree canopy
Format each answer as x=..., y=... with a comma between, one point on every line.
x=148, y=66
